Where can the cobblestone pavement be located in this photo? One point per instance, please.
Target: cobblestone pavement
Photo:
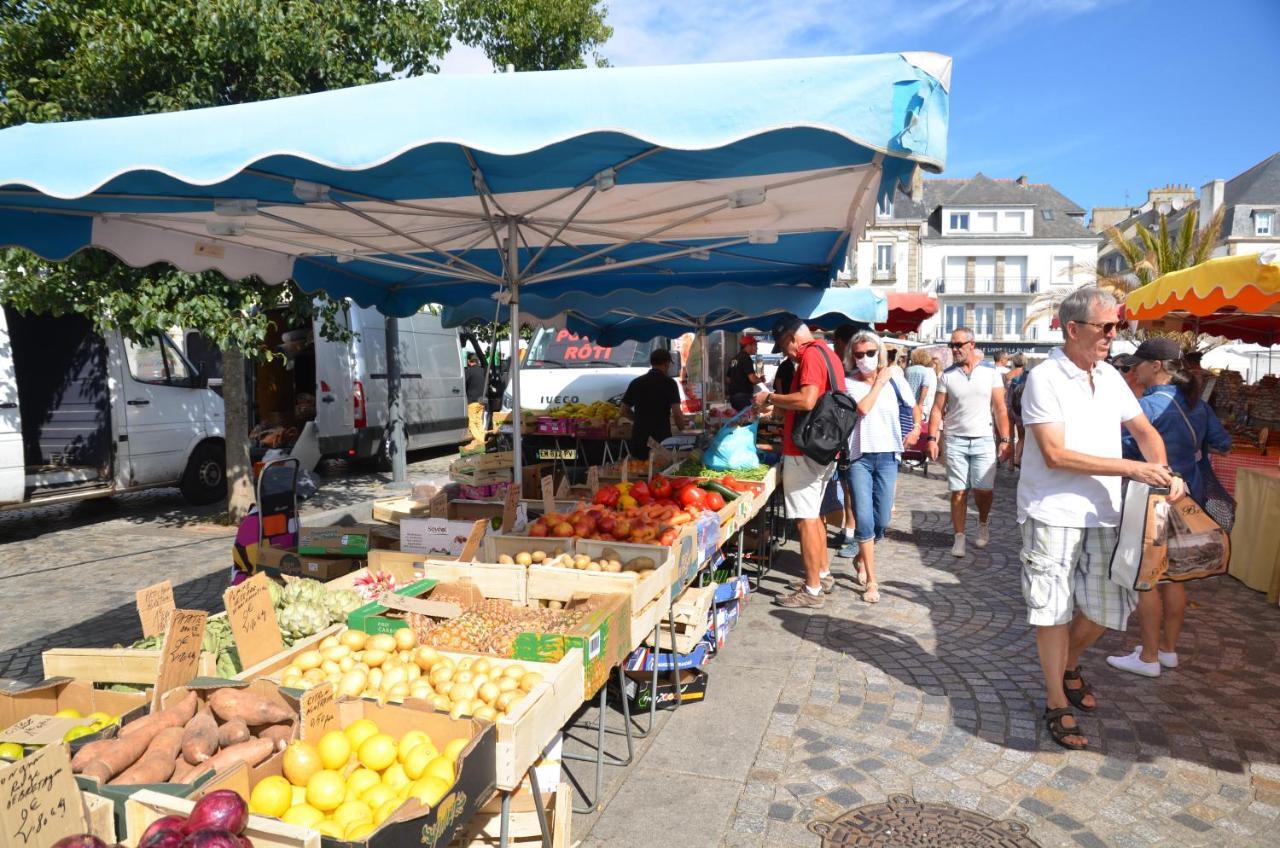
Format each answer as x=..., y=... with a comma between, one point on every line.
x=935, y=692
x=68, y=573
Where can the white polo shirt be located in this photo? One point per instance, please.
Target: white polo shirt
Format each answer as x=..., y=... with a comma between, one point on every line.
x=968, y=409
x=1058, y=392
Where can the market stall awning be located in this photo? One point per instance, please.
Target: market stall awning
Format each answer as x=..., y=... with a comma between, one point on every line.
x=1237, y=297
x=907, y=311
x=623, y=314
x=443, y=188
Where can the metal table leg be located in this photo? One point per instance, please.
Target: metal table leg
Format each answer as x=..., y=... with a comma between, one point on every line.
x=504, y=821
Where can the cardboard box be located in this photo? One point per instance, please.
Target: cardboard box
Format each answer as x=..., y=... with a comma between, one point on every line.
x=354, y=541
x=20, y=700
x=375, y=617
x=317, y=567
x=436, y=537
x=693, y=688
x=603, y=638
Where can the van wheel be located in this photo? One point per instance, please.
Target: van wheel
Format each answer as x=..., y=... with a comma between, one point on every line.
x=205, y=480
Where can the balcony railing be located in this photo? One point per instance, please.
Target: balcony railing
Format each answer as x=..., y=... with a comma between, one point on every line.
x=986, y=285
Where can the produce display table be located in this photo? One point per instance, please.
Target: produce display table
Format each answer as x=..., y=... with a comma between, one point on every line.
x=1255, y=538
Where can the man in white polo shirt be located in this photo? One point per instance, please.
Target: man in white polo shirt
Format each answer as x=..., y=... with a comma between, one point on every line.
x=970, y=397
x=1069, y=500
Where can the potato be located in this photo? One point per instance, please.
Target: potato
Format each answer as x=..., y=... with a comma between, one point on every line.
x=505, y=559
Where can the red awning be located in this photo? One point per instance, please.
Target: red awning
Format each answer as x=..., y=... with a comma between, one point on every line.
x=908, y=311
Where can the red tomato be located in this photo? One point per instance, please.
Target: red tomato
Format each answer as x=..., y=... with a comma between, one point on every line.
x=713, y=501
x=660, y=487
x=640, y=489
x=691, y=495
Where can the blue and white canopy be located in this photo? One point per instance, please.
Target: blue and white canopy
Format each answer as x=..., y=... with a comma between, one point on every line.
x=441, y=189
x=624, y=314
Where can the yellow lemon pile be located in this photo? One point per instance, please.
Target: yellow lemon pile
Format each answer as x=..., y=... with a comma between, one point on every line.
x=350, y=781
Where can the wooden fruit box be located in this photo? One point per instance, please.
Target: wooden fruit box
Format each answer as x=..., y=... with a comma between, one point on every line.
x=691, y=609
x=485, y=828
x=100, y=813
x=553, y=583
x=145, y=806
x=525, y=733
x=136, y=666
x=391, y=510
x=642, y=623
x=496, y=544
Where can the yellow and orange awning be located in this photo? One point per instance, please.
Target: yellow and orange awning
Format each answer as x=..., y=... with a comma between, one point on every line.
x=1246, y=285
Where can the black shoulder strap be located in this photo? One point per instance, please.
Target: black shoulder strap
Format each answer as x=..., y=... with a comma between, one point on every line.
x=826, y=354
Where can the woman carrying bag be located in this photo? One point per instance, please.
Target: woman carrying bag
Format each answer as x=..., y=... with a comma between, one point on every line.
x=875, y=445
x=1190, y=429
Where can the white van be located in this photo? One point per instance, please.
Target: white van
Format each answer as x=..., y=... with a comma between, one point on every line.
x=561, y=368
x=343, y=386
x=83, y=416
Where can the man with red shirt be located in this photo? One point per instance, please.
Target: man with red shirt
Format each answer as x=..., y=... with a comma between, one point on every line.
x=804, y=481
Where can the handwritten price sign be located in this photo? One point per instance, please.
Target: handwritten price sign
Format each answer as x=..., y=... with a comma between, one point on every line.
x=39, y=800
x=155, y=605
x=253, y=620
x=180, y=653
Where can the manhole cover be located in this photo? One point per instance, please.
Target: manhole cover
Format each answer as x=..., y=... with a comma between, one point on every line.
x=904, y=822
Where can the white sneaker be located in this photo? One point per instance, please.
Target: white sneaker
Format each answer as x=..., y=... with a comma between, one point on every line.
x=1168, y=659
x=957, y=547
x=1133, y=663
x=984, y=535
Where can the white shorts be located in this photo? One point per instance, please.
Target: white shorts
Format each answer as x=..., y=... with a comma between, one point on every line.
x=804, y=482
x=1067, y=568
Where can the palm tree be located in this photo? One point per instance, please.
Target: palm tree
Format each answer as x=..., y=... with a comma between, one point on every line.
x=1148, y=254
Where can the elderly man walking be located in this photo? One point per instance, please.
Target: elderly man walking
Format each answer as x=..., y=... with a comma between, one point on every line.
x=804, y=480
x=970, y=398
x=1069, y=500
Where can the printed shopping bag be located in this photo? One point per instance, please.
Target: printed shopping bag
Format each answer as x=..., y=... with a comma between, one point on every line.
x=1197, y=546
x=1141, y=554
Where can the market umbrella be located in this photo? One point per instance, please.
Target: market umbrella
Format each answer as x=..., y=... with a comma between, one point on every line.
x=907, y=311
x=1233, y=296
x=439, y=189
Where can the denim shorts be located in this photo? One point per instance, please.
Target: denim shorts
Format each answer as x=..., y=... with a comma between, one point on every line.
x=971, y=463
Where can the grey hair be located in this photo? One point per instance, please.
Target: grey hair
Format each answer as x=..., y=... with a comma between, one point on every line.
x=1018, y=360
x=1077, y=305
x=966, y=331
x=860, y=337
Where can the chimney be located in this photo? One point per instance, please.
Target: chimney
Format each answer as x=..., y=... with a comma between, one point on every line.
x=1211, y=196
x=1022, y=180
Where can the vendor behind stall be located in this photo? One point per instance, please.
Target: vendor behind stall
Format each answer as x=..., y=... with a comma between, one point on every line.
x=652, y=400
x=740, y=381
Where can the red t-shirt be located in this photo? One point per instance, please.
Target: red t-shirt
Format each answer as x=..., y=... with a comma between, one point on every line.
x=810, y=371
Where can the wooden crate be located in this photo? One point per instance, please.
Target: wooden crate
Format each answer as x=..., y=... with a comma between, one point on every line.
x=391, y=510
x=553, y=583
x=690, y=610
x=272, y=666
x=136, y=666
x=145, y=806
x=100, y=814
x=525, y=733
x=642, y=622
x=484, y=829
x=496, y=544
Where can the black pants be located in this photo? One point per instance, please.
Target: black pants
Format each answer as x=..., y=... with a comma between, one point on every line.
x=740, y=400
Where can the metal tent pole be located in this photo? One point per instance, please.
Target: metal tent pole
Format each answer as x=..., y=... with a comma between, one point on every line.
x=513, y=282
x=395, y=444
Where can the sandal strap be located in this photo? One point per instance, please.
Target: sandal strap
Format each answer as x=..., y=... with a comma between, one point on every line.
x=1054, y=715
x=1072, y=674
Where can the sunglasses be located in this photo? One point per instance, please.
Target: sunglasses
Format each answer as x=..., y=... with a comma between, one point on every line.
x=958, y=345
x=1107, y=328
x=1124, y=369
x=866, y=354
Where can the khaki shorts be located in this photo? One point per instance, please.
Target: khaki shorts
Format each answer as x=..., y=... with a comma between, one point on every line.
x=804, y=482
x=1068, y=567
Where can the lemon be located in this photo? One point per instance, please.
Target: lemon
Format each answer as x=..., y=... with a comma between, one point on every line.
x=77, y=732
x=359, y=830
x=325, y=790
x=429, y=790
x=100, y=716
x=301, y=762
x=384, y=812
x=378, y=795
x=11, y=751
x=395, y=776
x=442, y=768
x=68, y=713
x=350, y=812
x=454, y=749
x=273, y=796
x=329, y=827
x=335, y=749
x=360, y=730
x=416, y=763
x=299, y=795
x=377, y=751
x=409, y=741
x=361, y=781
x=303, y=815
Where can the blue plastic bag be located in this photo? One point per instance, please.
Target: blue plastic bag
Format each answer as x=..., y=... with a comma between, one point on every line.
x=733, y=447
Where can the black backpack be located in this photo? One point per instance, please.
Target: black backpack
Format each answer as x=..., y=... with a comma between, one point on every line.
x=823, y=432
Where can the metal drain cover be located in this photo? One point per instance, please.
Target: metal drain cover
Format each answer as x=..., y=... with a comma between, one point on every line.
x=904, y=822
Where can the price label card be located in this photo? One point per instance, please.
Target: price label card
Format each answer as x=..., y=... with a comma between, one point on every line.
x=39, y=800
x=180, y=653
x=155, y=604
x=40, y=729
x=253, y=620
x=509, y=505
x=474, y=538
x=625, y=466
x=440, y=504
x=562, y=488
x=593, y=479
x=548, y=494
x=319, y=711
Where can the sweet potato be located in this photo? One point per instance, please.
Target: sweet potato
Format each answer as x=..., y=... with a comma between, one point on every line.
x=233, y=733
x=250, y=753
x=279, y=734
x=158, y=762
x=118, y=754
x=200, y=738
x=88, y=753
x=175, y=715
x=249, y=707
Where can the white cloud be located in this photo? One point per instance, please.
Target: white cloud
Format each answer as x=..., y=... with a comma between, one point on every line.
x=462, y=59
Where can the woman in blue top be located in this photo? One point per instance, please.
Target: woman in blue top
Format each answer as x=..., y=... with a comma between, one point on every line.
x=1190, y=429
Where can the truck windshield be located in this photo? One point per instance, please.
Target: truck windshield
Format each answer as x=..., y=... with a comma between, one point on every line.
x=552, y=348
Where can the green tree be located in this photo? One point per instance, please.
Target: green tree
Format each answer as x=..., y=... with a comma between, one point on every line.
x=534, y=34
x=76, y=59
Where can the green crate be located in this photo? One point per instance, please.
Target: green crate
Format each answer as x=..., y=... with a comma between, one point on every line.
x=371, y=617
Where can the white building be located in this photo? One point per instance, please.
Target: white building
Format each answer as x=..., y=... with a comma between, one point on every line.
x=985, y=248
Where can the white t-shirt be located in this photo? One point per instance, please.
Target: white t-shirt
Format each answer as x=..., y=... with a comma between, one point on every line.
x=879, y=430
x=968, y=409
x=923, y=375
x=1058, y=392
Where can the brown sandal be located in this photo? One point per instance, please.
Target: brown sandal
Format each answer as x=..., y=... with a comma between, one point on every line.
x=1076, y=696
x=1060, y=732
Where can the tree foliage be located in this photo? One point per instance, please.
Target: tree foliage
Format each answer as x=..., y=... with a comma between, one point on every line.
x=534, y=34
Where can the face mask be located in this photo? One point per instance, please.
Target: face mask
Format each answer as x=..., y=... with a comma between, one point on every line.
x=867, y=365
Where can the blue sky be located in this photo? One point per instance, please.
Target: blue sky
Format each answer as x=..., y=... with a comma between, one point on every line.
x=1097, y=97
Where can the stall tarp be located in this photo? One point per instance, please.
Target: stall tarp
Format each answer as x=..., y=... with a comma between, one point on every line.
x=907, y=311
x=1248, y=284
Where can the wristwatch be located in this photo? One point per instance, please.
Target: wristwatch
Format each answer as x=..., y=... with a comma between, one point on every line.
x=931, y=438
x=1004, y=440
x=768, y=398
